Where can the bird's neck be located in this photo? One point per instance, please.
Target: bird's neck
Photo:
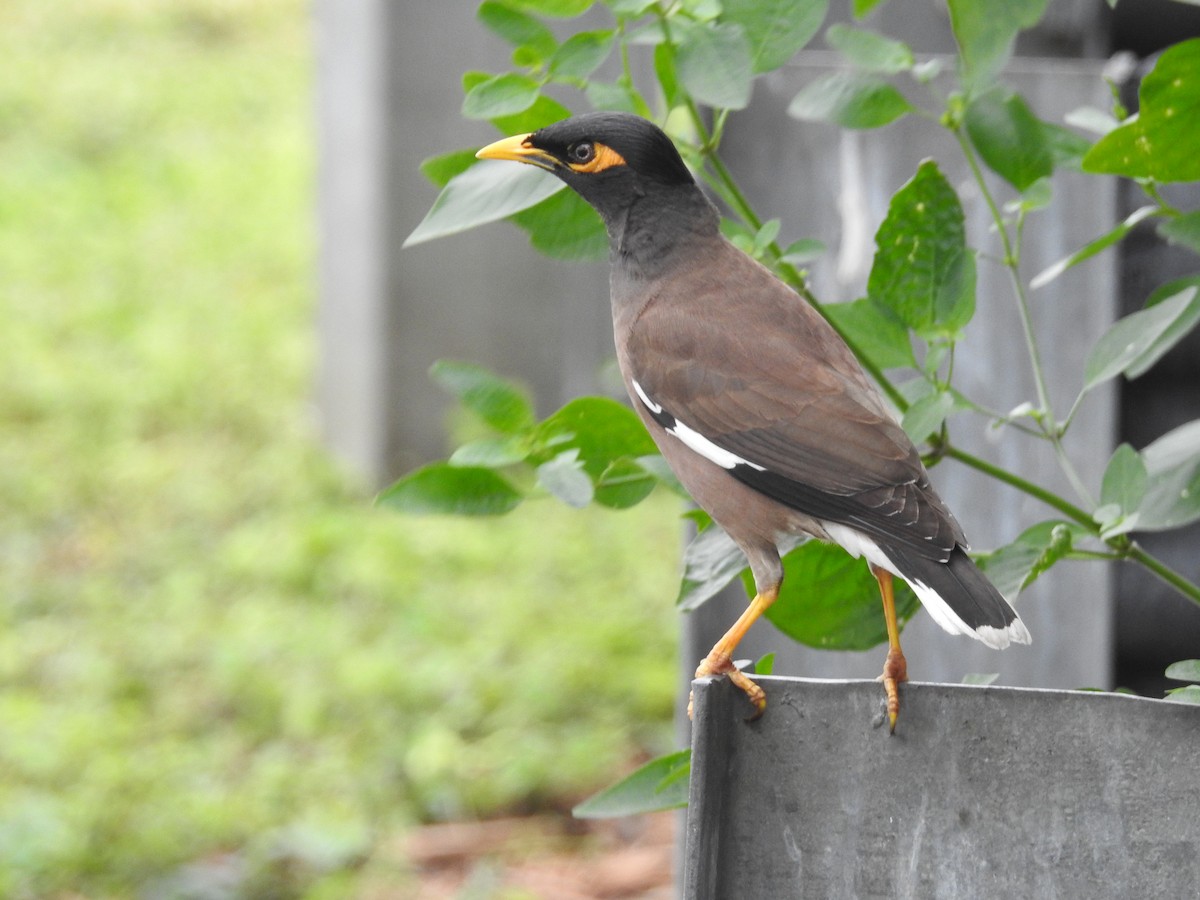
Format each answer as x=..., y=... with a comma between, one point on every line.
x=658, y=228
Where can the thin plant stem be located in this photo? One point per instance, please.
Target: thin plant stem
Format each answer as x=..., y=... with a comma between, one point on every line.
x=1051, y=499
x=1165, y=572
x=1011, y=264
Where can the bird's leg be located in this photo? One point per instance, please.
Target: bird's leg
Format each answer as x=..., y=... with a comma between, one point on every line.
x=720, y=659
x=895, y=668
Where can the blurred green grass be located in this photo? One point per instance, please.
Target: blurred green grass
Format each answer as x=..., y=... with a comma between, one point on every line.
x=213, y=649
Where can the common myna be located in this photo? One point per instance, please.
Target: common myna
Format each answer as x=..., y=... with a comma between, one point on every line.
x=754, y=400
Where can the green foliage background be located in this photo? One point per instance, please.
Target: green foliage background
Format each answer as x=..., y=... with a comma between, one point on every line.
x=214, y=650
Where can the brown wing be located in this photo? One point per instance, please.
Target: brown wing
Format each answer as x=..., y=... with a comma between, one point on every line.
x=767, y=379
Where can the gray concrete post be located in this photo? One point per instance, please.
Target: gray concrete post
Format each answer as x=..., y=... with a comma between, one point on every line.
x=981, y=793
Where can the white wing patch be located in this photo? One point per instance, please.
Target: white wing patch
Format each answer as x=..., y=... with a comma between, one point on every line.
x=650, y=404
x=691, y=438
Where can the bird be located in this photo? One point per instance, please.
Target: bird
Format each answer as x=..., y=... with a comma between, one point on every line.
x=756, y=403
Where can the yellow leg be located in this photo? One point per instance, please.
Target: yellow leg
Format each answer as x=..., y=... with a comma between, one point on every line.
x=895, y=668
x=720, y=659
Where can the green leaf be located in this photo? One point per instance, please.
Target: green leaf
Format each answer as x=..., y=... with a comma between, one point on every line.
x=1092, y=248
x=553, y=9
x=1066, y=147
x=869, y=51
x=648, y=34
x=1124, y=482
x=487, y=191
x=655, y=465
x=1121, y=493
x=711, y=561
x=543, y=112
x=625, y=483
x=739, y=235
x=1161, y=141
x=1015, y=566
x=1037, y=196
x=925, y=417
x=765, y=664
x=472, y=78
x=1188, y=694
x=492, y=452
x=1173, y=480
x=927, y=70
x=500, y=95
x=660, y=784
x=849, y=99
x=803, y=251
x=667, y=74
x=497, y=401
x=775, y=29
x=1184, y=230
x=765, y=237
x=922, y=270
x=863, y=8
x=581, y=54
x=980, y=678
x=563, y=476
x=1176, y=331
x=440, y=169
x=713, y=62
x=1112, y=523
x=1184, y=670
x=616, y=96
x=830, y=600
x=1090, y=118
x=985, y=33
x=629, y=8
x=564, y=226
x=1137, y=341
x=935, y=354
x=875, y=330
x=602, y=429
x=1009, y=137
x=518, y=28
x=452, y=490
x=701, y=10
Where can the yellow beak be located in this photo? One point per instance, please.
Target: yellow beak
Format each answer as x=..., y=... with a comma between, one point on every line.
x=518, y=149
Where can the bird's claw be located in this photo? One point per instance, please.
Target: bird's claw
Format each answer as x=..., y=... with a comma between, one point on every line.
x=895, y=670
x=719, y=664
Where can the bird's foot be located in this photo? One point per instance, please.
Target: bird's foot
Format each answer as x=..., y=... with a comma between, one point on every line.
x=895, y=670
x=722, y=664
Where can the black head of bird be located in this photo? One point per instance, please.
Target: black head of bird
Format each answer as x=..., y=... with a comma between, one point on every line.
x=756, y=403
x=629, y=171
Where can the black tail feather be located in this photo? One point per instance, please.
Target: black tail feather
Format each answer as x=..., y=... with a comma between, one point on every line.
x=963, y=599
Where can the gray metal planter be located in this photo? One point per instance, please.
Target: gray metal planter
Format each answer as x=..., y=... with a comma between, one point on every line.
x=981, y=793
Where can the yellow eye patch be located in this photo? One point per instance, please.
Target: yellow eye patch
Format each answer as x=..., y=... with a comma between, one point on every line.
x=606, y=157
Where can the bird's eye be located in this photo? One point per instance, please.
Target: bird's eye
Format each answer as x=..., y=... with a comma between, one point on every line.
x=583, y=152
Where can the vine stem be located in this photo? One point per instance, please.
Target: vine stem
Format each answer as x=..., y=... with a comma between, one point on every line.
x=1051, y=499
x=1165, y=572
x=1012, y=262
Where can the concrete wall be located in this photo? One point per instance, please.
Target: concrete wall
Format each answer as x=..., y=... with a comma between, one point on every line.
x=981, y=793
